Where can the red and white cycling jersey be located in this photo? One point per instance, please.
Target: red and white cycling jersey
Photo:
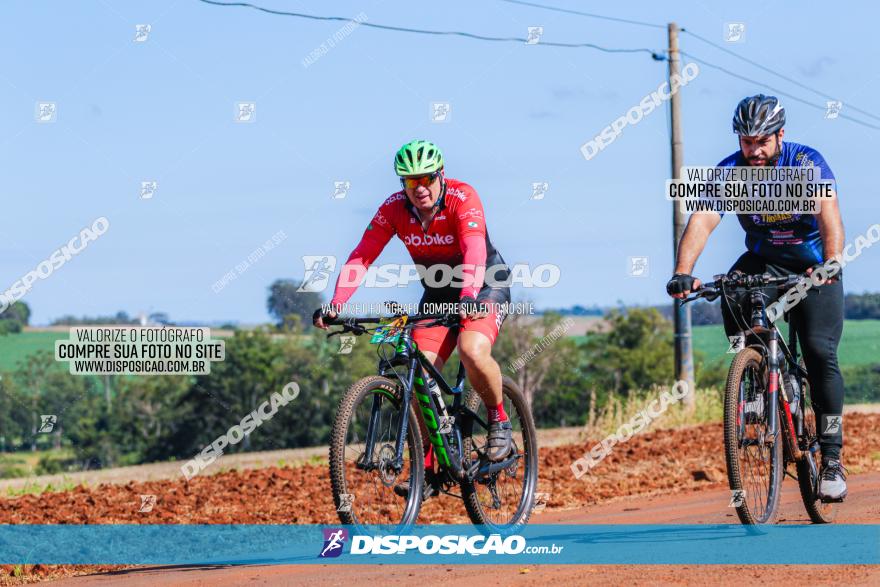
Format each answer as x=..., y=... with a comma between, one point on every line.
x=456, y=236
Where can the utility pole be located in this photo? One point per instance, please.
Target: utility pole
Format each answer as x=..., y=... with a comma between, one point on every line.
x=684, y=356
x=107, y=391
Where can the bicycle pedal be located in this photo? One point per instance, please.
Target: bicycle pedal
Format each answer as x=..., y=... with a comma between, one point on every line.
x=835, y=500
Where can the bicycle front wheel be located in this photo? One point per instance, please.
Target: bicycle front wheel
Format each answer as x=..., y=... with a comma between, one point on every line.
x=364, y=489
x=754, y=458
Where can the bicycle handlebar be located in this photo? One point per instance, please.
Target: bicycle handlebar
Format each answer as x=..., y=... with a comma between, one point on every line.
x=355, y=324
x=713, y=289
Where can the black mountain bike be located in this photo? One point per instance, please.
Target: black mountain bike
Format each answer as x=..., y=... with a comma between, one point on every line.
x=376, y=443
x=768, y=422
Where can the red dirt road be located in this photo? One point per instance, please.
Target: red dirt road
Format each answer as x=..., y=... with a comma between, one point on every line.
x=692, y=507
x=662, y=476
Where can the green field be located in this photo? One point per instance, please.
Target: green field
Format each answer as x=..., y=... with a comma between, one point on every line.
x=16, y=347
x=860, y=344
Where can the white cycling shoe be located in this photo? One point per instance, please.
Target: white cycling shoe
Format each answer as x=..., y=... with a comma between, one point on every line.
x=832, y=481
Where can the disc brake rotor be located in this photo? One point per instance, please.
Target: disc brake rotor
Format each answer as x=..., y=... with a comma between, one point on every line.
x=386, y=471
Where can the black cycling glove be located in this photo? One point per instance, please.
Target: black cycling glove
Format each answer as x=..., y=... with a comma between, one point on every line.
x=680, y=283
x=835, y=277
x=322, y=312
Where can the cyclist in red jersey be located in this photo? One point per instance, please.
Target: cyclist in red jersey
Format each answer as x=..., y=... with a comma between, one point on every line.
x=441, y=222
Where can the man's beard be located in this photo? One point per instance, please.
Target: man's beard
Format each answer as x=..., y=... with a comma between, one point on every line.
x=771, y=162
x=772, y=159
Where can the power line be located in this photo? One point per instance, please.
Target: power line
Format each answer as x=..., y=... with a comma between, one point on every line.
x=655, y=55
x=430, y=32
x=768, y=70
x=721, y=48
x=588, y=14
x=775, y=90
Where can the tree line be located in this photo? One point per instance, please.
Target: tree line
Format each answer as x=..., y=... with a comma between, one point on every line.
x=123, y=420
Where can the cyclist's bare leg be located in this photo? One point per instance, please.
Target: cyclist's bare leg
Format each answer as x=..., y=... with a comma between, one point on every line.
x=475, y=350
x=434, y=359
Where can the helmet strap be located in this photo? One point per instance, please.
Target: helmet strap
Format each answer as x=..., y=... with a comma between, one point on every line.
x=441, y=201
x=775, y=158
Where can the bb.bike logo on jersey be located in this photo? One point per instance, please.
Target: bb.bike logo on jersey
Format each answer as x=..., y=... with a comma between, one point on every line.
x=394, y=197
x=417, y=240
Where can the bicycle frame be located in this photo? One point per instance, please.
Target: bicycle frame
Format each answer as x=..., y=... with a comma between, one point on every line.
x=433, y=411
x=770, y=335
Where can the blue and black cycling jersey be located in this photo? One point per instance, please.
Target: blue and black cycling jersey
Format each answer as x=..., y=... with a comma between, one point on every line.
x=791, y=240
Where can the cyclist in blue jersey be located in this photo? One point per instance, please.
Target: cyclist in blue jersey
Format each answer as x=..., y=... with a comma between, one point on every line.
x=784, y=244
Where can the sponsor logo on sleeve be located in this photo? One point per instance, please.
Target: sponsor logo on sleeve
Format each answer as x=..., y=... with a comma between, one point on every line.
x=380, y=219
x=472, y=213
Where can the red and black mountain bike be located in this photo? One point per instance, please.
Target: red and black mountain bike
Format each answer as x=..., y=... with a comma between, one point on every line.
x=769, y=416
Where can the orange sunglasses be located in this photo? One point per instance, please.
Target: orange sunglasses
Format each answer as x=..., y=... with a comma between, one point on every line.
x=423, y=180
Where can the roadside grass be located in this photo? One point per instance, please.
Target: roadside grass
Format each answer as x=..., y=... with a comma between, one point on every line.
x=26, y=463
x=619, y=411
x=66, y=484
x=317, y=460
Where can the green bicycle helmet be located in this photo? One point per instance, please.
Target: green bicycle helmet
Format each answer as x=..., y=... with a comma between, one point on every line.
x=418, y=158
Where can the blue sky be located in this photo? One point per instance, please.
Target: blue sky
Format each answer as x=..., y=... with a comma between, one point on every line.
x=163, y=110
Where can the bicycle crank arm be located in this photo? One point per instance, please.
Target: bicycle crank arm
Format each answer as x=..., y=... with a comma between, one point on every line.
x=477, y=472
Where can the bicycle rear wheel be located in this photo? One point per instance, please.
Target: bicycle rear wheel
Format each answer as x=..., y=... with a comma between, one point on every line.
x=808, y=473
x=754, y=459
x=503, y=501
x=364, y=492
